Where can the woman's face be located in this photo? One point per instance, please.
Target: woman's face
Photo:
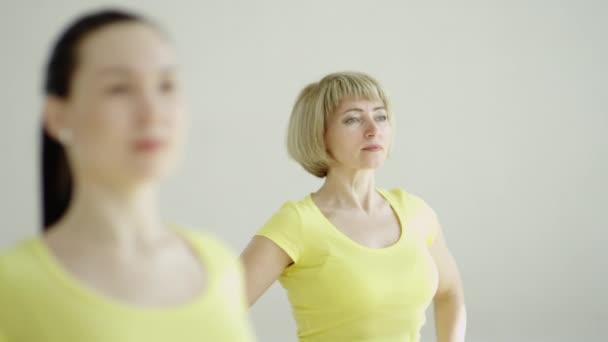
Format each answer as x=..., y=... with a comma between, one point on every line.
x=122, y=122
x=358, y=134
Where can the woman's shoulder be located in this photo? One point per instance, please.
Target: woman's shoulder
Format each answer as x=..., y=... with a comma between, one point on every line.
x=400, y=195
x=406, y=200
x=290, y=213
x=295, y=207
x=218, y=258
x=22, y=252
x=215, y=252
x=20, y=262
x=416, y=210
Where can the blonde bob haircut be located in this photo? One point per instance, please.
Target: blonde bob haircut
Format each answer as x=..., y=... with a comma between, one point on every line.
x=315, y=104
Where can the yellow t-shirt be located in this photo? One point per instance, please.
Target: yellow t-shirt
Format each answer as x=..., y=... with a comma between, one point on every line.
x=41, y=302
x=340, y=290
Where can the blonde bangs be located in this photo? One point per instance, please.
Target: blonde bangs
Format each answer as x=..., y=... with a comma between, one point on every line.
x=338, y=86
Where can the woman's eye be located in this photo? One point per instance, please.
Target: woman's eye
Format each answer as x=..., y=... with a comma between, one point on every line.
x=118, y=89
x=381, y=118
x=167, y=86
x=350, y=121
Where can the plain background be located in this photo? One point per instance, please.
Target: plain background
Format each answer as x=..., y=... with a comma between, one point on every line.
x=501, y=108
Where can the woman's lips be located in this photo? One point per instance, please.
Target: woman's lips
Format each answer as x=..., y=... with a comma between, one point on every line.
x=148, y=145
x=372, y=148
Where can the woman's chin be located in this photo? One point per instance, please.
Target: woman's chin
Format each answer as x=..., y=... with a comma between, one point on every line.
x=372, y=164
x=151, y=171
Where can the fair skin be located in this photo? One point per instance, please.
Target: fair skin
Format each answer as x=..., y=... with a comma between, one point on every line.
x=357, y=138
x=121, y=128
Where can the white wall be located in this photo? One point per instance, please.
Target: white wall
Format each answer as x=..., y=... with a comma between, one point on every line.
x=502, y=110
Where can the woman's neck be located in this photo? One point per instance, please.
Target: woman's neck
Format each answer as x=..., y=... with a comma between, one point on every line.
x=110, y=215
x=345, y=188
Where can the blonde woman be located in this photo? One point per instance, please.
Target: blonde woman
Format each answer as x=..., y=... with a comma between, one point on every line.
x=359, y=263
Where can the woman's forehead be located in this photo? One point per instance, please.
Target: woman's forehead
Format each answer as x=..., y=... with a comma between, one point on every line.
x=125, y=47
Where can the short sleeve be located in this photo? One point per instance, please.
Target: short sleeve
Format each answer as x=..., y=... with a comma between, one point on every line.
x=285, y=229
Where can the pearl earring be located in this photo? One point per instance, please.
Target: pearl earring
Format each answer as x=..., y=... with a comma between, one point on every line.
x=65, y=136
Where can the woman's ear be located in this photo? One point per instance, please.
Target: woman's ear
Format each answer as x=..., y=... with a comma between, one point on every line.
x=54, y=118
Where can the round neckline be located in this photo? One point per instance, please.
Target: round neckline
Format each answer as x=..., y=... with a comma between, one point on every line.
x=82, y=290
x=343, y=236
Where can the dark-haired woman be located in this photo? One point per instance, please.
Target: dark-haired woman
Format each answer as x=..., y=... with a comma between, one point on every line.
x=106, y=267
